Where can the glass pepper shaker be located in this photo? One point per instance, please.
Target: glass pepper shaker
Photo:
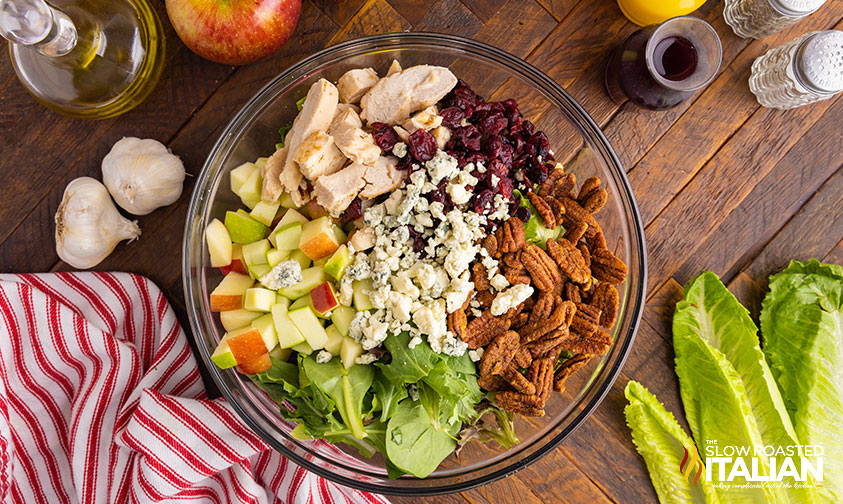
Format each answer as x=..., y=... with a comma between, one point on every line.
x=805, y=70
x=759, y=18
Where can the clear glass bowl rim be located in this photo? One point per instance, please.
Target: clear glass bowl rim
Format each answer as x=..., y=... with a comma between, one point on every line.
x=394, y=41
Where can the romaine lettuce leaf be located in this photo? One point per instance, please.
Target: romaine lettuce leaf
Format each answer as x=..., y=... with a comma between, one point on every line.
x=712, y=313
x=660, y=441
x=534, y=230
x=802, y=327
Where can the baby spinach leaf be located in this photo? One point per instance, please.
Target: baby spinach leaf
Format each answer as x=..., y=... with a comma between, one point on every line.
x=416, y=437
x=407, y=365
x=388, y=395
x=345, y=387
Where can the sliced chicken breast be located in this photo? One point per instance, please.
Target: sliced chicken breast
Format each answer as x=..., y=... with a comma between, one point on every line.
x=383, y=177
x=354, y=84
x=441, y=134
x=394, y=68
x=394, y=98
x=272, y=188
x=336, y=191
x=427, y=119
x=363, y=238
x=358, y=145
x=316, y=115
x=318, y=155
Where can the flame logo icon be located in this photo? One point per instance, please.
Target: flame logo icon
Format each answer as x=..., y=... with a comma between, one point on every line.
x=691, y=461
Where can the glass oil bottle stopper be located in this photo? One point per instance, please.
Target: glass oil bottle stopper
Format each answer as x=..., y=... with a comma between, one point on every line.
x=85, y=58
x=805, y=70
x=759, y=18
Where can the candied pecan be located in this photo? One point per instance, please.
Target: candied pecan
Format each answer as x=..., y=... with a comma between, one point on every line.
x=518, y=381
x=543, y=307
x=572, y=292
x=499, y=353
x=607, y=300
x=523, y=358
x=480, y=277
x=541, y=347
x=564, y=187
x=493, y=383
x=586, y=254
x=517, y=402
x=543, y=270
x=568, y=368
x=516, y=276
x=596, y=239
x=485, y=298
x=520, y=320
x=541, y=375
x=575, y=232
x=549, y=185
x=513, y=260
x=485, y=328
x=557, y=207
x=554, y=353
x=592, y=197
x=588, y=313
x=544, y=210
x=561, y=317
x=595, y=343
x=575, y=213
x=586, y=291
x=490, y=243
x=510, y=235
x=607, y=268
x=458, y=322
x=569, y=259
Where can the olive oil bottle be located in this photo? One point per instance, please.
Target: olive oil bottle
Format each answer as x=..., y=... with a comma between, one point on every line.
x=85, y=58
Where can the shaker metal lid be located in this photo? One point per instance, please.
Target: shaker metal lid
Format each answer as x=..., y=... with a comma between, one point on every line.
x=796, y=8
x=820, y=61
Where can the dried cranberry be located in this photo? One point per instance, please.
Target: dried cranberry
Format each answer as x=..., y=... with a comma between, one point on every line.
x=506, y=154
x=466, y=107
x=493, y=146
x=451, y=117
x=523, y=213
x=536, y=174
x=353, y=212
x=497, y=168
x=528, y=127
x=518, y=144
x=505, y=187
x=483, y=201
x=418, y=239
x=510, y=110
x=476, y=157
x=493, y=124
x=515, y=127
x=538, y=139
x=519, y=164
x=422, y=145
x=463, y=91
x=385, y=136
x=469, y=137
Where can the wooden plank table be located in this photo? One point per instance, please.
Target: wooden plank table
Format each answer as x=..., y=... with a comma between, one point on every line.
x=723, y=184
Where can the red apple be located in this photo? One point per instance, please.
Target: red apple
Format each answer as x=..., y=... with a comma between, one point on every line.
x=256, y=365
x=246, y=344
x=237, y=264
x=228, y=295
x=234, y=32
x=323, y=297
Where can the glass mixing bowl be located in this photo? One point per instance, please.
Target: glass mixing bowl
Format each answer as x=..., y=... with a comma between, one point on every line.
x=575, y=139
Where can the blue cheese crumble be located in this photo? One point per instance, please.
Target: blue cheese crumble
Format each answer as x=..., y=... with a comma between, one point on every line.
x=284, y=274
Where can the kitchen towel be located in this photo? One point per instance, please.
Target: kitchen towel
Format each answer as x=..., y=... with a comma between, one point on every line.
x=101, y=401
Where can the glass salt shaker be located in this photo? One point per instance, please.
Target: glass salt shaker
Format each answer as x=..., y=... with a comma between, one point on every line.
x=805, y=70
x=759, y=18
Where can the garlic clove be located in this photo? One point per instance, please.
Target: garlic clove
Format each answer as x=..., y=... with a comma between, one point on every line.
x=142, y=175
x=88, y=225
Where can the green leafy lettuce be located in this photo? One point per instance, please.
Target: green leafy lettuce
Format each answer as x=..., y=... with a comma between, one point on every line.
x=727, y=389
x=660, y=440
x=802, y=327
x=534, y=230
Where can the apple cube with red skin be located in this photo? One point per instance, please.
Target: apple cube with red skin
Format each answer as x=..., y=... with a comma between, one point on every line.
x=259, y=364
x=246, y=344
x=229, y=293
x=315, y=210
x=324, y=298
x=238, y=264
x=219, y=243
x=320, y=238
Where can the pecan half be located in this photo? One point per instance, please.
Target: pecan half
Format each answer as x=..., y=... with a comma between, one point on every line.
x=458, y=322
x=569, y=259
x=523, y=357
x=607, y=300
x=572, y=292
x=595, y=343
x=543, y=307
x=513, y=260
x=485, y=298
x=517, y=402
x=520, y=320
x=564, y=187
x=557, y=207
x=518, y=381
x=541, y=375
x=543, y=270
x=510, y=235
x=568, y=368
x=499, y=353
x=575, y=213
x=607, y=268
x=596, y=239
x=490, y=243
x=493, y=383
x=549, y=185
x=561, y=317
x=516, y=276
x=586, y=254
x=480, y=277
x=592, y=197
x=544, y=210
x=575, y=232
x=485, y=328
x=542, y=347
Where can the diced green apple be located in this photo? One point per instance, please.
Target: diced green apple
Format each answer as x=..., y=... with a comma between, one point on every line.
x=266, y=326
x=281, y=300
x=319, y=238
x=219, y=243
x=321, y=262
x=261, y=162
x=222, y=355
x=336, y=264
x=361, y=289
x=311, y=277
x=237, y=263
x=237, y=319
x=290, y=216
x=287, y=237
x=301, y=302
x=240, y=175
x=250, y=191
x=287, y=201
x=334, y=343
x=265, y=212
x=342, y=317
x=274, y=257
x=243, y=228
x=302, y=348
x=288, y=334
x=279, y=353
x=258, y=270
x=255, y=252
x=309, y=326
x=246, y=344
x=350, y=351
x=228, y=295
x=259, y=299
x=301, y=258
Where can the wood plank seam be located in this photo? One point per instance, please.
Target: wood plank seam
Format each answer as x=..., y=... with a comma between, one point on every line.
x=574, y=463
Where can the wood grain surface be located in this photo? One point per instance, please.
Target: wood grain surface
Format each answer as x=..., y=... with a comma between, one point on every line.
x=723, y=184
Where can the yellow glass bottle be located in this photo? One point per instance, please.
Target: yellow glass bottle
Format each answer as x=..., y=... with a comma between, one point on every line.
x=650, y=12
x=85, y=58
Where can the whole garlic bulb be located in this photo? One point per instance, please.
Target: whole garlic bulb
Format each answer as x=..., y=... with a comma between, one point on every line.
x=142, y=175
x=88, y=225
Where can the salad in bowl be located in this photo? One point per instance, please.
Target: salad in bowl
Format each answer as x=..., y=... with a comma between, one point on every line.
x=411, y=268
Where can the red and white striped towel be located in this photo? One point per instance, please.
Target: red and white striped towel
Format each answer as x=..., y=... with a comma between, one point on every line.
x=101, y=402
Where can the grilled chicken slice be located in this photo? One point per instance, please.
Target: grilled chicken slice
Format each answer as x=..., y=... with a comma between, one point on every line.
x=358, y=145
x=272, y=188
x=394, y=98
x=318, y=155
x=383, y=177
x=354, y=84
x=336, y=191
